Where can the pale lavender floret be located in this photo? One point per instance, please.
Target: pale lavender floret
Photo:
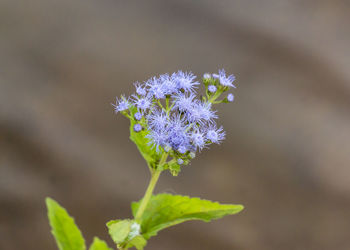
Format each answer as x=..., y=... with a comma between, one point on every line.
x=201, y=112
x=121, y=104
x=184, y=102
x=155, y=88
x=142, y=103
x=177, y=122
x=225, y=80
x=157, y=120
x=230, y=97
x=215, y=135
x=178, y=132
x=137, y=127
x=185, y=80
x=168, y=85
x=140, y=89
x=206, y=112
x=138, y=116
x=158, y=138
x=198, y=139
x=212, y=88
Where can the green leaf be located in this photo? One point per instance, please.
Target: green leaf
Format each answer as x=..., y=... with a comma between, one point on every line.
x=138, y=241
x=165, y=210
x=99, y=245
x=64, y=229
x=119, y=230
x=148, y=152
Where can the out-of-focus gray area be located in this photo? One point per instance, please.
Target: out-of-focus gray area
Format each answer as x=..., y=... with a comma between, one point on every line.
x=287, y=153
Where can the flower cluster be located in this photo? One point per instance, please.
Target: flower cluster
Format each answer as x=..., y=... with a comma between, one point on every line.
x=176, y=119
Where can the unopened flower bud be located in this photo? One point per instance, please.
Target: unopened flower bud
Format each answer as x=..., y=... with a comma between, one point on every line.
x=230, y=97
x=192, y=155
x=206, y=76
x=180, y=161
x=137, y=127
x=138, y=116
x=212, y=88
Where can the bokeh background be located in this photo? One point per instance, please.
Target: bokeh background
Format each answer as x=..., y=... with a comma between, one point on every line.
x=287, y=153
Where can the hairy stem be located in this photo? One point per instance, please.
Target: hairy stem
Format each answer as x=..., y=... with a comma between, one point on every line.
x=150, y=188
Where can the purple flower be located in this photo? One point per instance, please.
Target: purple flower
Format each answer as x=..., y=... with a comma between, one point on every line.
x=224, y=80
x=157, y=120
x=140, y=89
x=185, y=80
x=212, y=88
x=230, y=97
x=142, y=103
x=215, y=135
x=158, y=138
x=201, y=112
x=177, y=132
x=121, y=104
x=198, y=139
x=137, y=127
x=155, y=88
x=168, y=85
x=184, y=102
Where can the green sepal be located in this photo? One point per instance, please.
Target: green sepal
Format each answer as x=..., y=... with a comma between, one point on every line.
x=165, y=210
x=149, y=153
x=138, y=241
x=174, y=168
x=63, y=227
x=119, y=230
x=99, y=245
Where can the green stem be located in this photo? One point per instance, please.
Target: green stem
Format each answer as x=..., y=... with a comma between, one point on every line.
x=215, y=96
x=155, y=176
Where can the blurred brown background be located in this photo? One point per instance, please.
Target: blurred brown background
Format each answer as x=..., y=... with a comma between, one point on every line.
x=287, y=153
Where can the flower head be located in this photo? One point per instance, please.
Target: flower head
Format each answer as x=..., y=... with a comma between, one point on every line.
x=121, y=104
x=142, y=103
x=215, y=135
x=155, y=88
x=198, y=139
x=140, y=89
x=168, y=84
x=175, y=118
x=157, y=120
x=185, y=81
x=224, y=80
x=201, y=112
x=184, y=102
